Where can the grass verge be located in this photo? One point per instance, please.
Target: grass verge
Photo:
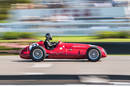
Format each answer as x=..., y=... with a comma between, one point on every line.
x=69, y=39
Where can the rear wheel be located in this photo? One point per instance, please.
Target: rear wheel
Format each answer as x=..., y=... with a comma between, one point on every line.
x=37, y=54
x=93, y=54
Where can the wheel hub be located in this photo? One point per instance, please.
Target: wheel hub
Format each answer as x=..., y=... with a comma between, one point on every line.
x=37, y=54
x=93, y=54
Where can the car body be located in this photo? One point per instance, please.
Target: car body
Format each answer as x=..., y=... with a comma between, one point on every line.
x=63, y=51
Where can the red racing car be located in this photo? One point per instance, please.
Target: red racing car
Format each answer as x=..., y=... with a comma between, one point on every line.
x=52, y=50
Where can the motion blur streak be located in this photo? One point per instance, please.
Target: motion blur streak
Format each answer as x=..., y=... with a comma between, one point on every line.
x=59, y=14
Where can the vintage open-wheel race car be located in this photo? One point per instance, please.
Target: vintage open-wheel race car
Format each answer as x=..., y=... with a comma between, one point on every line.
x=59, y=50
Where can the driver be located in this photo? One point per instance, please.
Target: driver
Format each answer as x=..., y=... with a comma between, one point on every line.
x=49, y=45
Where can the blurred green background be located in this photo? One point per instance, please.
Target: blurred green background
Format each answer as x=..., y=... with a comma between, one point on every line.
x=26, y=21
x=5, y=6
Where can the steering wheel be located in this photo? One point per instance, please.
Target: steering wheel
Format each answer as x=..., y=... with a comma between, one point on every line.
x=56, y=43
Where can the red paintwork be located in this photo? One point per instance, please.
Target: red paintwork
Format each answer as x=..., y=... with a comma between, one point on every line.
x=64, y=51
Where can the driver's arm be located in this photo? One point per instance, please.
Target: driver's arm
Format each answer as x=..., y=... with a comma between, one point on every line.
x=49, y=43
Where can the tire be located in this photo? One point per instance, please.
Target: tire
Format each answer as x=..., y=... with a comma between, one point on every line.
x=38, y=54
x=93, y=54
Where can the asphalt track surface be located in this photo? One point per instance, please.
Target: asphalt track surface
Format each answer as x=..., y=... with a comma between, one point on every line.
x=14, y=70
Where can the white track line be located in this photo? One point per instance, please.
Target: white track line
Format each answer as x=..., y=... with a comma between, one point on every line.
x=92, y=79
x=44, y=65
x=120, y=83
x=34, y=73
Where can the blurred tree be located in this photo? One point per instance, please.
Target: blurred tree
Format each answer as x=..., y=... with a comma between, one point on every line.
x=5, y=6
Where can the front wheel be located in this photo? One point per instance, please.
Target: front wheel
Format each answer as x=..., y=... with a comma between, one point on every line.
x=37, y=54
x=93, y=54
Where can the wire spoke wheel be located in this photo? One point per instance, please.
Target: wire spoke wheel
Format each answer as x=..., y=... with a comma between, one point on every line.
x=37, y=54
x=93, y=54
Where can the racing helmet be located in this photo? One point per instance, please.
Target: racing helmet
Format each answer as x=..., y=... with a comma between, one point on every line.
x=48, y=36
